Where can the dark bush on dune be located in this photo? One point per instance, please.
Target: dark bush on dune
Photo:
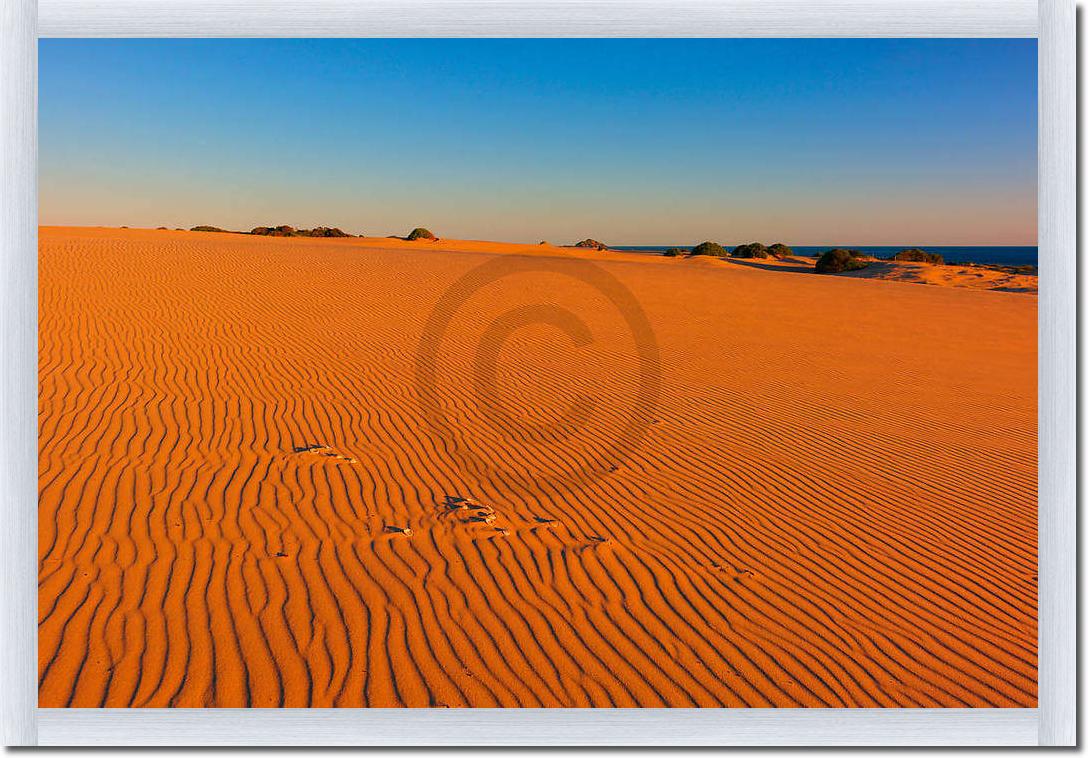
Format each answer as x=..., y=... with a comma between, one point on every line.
x=673, y=252
x=751, y=250
x=274, y=231
x=419, y=233
x=207, y=229
x=591, y=243
x=838, y=260
x=712, y=249
x=290, y=231
x=323, y=231
x=915, y=255
x=778, y=250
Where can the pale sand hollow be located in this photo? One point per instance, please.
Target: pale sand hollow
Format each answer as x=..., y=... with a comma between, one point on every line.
x=960, y=276
x=973, y=277
x=242, y=503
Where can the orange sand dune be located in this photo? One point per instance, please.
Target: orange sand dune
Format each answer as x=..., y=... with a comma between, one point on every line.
x=273, y=474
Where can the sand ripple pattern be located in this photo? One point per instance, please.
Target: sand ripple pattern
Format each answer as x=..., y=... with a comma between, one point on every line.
x=241, y=503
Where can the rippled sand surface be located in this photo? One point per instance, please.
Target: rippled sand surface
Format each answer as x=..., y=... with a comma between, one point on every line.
x=303, y=472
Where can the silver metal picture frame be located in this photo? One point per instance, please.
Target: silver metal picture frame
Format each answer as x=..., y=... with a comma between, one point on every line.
x=23, y=22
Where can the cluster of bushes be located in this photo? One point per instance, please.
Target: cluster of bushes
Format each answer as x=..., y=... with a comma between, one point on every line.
x=290, y=231
x=918, y=256
x=838, y=260
x=279, y=231
x=419, y=233
x=323, y=231
x=750, y=250
x=591, y=243
x=274, y=231
x=833, y=261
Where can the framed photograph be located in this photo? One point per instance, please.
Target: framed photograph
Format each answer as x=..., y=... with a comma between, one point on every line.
x=538, y=373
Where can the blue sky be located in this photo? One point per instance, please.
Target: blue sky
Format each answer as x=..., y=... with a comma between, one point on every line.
x=628, y=141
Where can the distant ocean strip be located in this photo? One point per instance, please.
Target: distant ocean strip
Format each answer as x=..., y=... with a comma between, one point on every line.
x=1001, y=256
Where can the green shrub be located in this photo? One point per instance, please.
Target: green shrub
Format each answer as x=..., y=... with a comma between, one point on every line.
x=778, y=250
x=751, y=250
x=918, y=256
x=207, y=229
x=709, y=248
x=673, y=252
x=419, y=233
x=838, y=260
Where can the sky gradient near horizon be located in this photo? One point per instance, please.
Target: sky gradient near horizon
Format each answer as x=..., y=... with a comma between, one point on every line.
x=808, y=142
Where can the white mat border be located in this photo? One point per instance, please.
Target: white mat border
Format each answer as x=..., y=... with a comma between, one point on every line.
x=538, y=18
x=1054, y=723
x=543, y=726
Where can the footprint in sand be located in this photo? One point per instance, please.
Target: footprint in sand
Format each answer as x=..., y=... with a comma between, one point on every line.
x=735, y=574
x=324, y=451
x=544, y=525
x=405, y=531
x=474, y=512
x=458, y=503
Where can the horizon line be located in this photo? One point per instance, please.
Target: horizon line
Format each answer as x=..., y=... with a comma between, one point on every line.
x=352, y=235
